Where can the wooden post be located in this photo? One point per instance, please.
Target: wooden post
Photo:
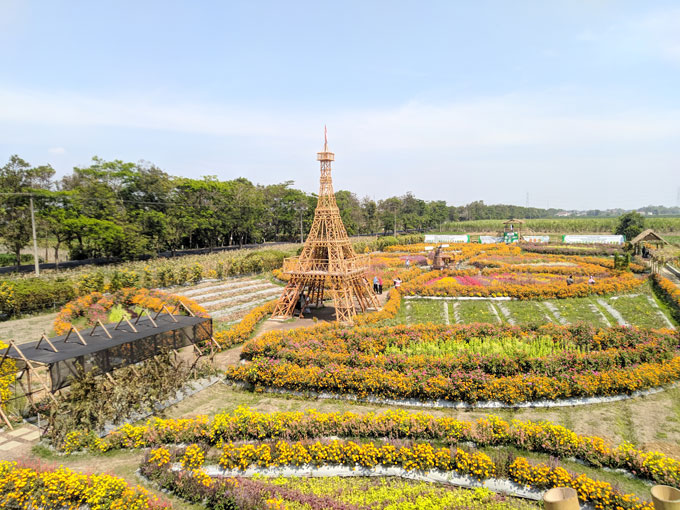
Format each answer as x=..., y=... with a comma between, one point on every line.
x=44, y=337
x=146, y=311
x=74, y=330
x=99, y=323
x=165, y=308
x=128, y=322
x=31, y=367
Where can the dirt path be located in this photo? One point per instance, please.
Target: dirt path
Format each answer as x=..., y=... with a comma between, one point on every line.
x=28, y=329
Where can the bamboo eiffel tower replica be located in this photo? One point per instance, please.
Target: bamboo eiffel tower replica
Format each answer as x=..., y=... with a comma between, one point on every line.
x=327, y=262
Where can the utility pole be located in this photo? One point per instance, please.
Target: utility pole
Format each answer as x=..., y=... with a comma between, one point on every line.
x=35, y=240
x=302, y=239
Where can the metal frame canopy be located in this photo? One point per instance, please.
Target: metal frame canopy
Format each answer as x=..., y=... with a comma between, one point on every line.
x=106, y=347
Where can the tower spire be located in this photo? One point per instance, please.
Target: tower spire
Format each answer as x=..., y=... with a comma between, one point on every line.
x=325, y=157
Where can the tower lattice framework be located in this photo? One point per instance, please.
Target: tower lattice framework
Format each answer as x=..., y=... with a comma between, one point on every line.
x=327, y=262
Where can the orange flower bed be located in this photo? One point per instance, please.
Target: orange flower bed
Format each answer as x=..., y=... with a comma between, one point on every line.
x=241, y=332
x=669, y=291
x=363, y=362
x=152, y=300
x=432, y=284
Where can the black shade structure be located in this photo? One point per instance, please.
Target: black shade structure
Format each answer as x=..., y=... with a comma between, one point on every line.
x=110, y=346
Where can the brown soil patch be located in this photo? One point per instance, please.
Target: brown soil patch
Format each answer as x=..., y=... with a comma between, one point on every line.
x=28, y=329
x=670, y=449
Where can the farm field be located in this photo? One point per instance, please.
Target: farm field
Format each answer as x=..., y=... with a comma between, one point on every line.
x=665, y=225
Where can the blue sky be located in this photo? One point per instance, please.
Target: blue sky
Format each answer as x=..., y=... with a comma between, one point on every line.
x=576, y=103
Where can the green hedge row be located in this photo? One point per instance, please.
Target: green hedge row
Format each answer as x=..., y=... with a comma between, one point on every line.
x=29, y=295
x=9, y=259
x=383, y=242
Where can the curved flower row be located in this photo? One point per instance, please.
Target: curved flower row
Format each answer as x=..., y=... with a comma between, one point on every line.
x=336, y=493
x=26, y=488
x=670, y=292
x=366, y=382
x=153, y=300
x=552, y=289
x=560, y=264
x=241, y=332
x=421, y=456
x=586, y=349
x=417, y=457
x=246, y=424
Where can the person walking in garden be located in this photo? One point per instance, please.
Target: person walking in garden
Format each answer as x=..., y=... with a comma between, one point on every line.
x=408, y=263
x=376, y=280
x=379, y=285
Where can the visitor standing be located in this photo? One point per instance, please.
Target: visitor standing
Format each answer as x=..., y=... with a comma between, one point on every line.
x=379, y=285
x=376, y=280
x=591, y=280
x=570, y=279
x=303, y=304
x=397, y=283
x=408, y=263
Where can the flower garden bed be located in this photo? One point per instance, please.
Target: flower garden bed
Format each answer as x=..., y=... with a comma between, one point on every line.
x=97, y=306
x=521, y=285
x=185, y=469
x=362, y=362
x=247, y=425
x=669, y=292
x=344, y=492
x=24, y=487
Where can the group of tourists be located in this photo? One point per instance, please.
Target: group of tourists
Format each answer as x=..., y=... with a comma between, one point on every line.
x=570, y=280
x=377, y=284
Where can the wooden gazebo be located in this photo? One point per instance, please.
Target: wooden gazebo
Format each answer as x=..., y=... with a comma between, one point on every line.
x=509, y=225
x=647, y=237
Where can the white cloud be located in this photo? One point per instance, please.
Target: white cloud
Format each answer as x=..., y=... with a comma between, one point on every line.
x=661, y=31
x=655, y=34
x=557, y=119
x=56, y=150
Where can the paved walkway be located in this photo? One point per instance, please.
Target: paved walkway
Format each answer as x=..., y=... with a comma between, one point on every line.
x=21, y=439
x=667, y=274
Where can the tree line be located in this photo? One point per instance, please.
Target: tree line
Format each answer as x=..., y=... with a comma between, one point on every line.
x=126, y=210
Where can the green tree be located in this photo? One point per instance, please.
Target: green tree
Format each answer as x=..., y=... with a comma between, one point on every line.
x=18, y=180
x=630, y=225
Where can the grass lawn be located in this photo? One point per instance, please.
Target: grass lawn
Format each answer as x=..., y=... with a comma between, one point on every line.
x=580, y=310
x=639, y=310
x=474, y=311
x=527, y=312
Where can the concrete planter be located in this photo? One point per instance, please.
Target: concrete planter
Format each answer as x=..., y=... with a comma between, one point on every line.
x=665, y=497
x=561, y=498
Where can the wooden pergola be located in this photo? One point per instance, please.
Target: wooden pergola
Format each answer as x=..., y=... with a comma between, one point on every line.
x=509, y=226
